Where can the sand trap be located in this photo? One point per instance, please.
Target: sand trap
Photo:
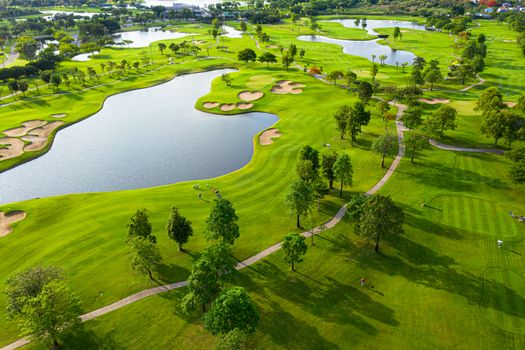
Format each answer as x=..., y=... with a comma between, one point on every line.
x=510, y=104
x=11, y=147
x=509, y=41
x=227, y=107
x=272, y=47
x=38, y=137
x=244, y=105
x=58, y=116
x=7, y=219
x=22, y=130
x=434, y=101
x=250, y=95
x=210, y=105
x=284, y=87
x=267, y=136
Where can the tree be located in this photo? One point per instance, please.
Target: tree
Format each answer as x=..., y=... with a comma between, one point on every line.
x=397, y=32
x=350, y=77
x=432, y=74
x=203, y=285
x=360, y=114
x=162, y=47
x=373, y=71
x=179, y=228
x=145, y=255
x=379, y=218
x=490, y=100
x=244, y=27
x=292, y=50
x=287, y=60
x=40, y=301
x=294, y=247
x=222, y=222
x=335, y=76
x=412, y=117
x=414, y=142
x=139, y=226
x=13, y=86
x=341, y=119
x=383, y=107
x=247, y=55
x=26, y=47
x=226, y=78
x=382, y=59
x=56, y=81
x=327, y=165
x=300, y=200
x=343, y=171
x=220, y=258
x=463, y=71
x=385, y=145
x=233, y=309
x=306, y=171
x=403, y=66
x=267, y=57
x=233, y=340
x=445, y=119
x=311, y=154
x=23, y=85
x=302, y=52
x=365, y=91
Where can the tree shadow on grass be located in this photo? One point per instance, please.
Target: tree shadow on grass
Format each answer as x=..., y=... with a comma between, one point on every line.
x=168, y=273
x=89, y=340
x=428, y=226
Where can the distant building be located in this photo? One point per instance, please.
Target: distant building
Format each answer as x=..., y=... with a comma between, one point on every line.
x=197, y=11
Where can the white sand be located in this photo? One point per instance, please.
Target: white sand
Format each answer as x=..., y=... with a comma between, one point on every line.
x=210, y=105
x=227, y=107
x=22, y=130
x=39, y=136
x=250, y=95
x=434, y=101
x=244, y=105
x=267, y=136
x=7, y=219
x=285, y=87
x=11, y=147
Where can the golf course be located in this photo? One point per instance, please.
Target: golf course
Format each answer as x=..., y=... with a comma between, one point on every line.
x=190, y=127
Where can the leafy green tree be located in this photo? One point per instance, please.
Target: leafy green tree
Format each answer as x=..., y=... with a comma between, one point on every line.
x=222, y=222
x=233, y=309
x=355, y=205
x=247, y=55
x=373, y=71
x=233, y=340
x=490, y=100
x=292, y=50
x=287, y=60
x=414, y=142
x=517, y=172
x=139, y=226
x=385, y=145
x=27, y=47
x=397, y=32
x=379, y=218
x=341, y=119
x=445, y=118
x=267, y=57
x=306, y=171
x=40, y=301
x=365, y=91
x=350, y=78
x=244, y=27
x=412, y=117
x=327, y=165
x=294, y=247
x=335, y=76
x=162, y=47
x=179, y=228
x=56, y=81
x=23, y=85
x=203, y=285
x=383, y=107
x=343, y=171
x=360, y=114
x=300, y=200
x=382, y=59
x=432, y=74
x=221, y=259
x=463, y=71
x=309, y=153
x=302, y=52
x=145, y=255
x=226, y=78
x=215, y=23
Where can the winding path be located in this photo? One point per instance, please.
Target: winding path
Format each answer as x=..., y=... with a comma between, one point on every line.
x=13, y=55
x=253, y=259
x=463, y=149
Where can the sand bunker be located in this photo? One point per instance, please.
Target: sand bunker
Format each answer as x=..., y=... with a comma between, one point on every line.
x=272, y=47
x=11, y=147
x=210, y=105
x=509, y=41
x=7, y=219
x=227, y=107
x=510, y=104
x=284, y=87
x=267, y=136
x=434, y=101
x=39, y=136
x=58, y=116
x=250, y=95
x=244, y=105
x=22, y=130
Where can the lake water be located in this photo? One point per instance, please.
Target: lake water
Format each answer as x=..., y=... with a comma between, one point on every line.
x=367, y=48
x=372, y=24
x=169, y=3
x=364, y=48
x=83, y=57
x=143, y=38
x=52, y=13
x=139, y=139
x=232, y=32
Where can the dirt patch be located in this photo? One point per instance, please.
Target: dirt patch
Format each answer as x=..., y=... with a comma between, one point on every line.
x=11, y=147
x=267, y=136
x=39, y=136
x=7, y=219
x=284, y=87
x=433, y=101
x=58, y=116
x=250, y=95
x=22, y=130
x=244, y=105
x=227, y=107
x=210, y=105
x=510, y=104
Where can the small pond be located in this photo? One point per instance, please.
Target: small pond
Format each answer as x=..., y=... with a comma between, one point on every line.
x=232, y=32
x=138, y=139
x=143, y=38
x=83, y=57
x=372, y=24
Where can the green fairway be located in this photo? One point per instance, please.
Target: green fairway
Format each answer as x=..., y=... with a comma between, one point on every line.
x=443, y=284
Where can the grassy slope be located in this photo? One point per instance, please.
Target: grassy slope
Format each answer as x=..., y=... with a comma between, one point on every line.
x=439, y=262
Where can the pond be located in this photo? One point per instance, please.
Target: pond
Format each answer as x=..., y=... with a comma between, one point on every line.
x=141, y=138
x=372, y=24
x=143, y=38
x=232, y=32
x=83, y=57
x=367, y=48
x=52, y=13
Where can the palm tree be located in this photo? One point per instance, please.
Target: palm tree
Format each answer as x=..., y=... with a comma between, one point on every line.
x=382, y=58
x=373, y=58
